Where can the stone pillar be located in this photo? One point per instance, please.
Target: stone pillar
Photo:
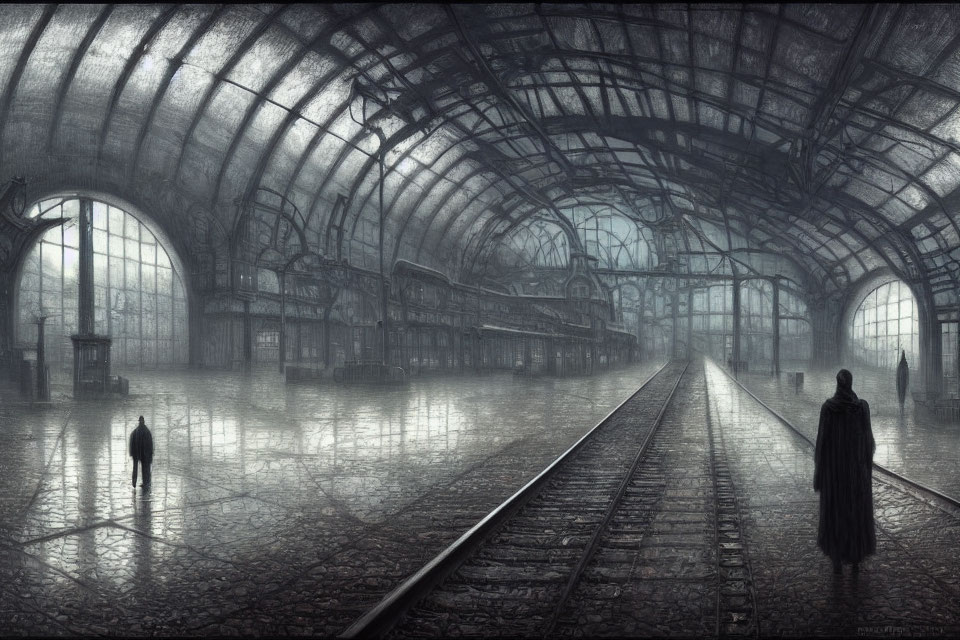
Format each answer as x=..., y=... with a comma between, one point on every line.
x=689, y=323
x=776, y=327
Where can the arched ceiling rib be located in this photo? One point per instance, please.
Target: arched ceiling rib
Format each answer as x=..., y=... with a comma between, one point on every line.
x=828, y=132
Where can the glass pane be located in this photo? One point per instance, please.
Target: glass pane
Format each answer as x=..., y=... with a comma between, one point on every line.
x=116, y=245
x=116, y=220
x=164, y=280
x=71, y=235
x=132, y=249
x=100, y=243
x=148, y=253
x=134, y=311
x=131, y=228
x=100, y=216
x=148, y=278
x=131, y=275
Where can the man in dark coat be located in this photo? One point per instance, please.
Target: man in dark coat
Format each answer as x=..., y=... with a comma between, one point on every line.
x=141, y=448
x=903, y=379
x=843, y=476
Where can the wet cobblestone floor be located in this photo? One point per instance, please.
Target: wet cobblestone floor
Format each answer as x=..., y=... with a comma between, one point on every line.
x=274, y=509
x=292, y=509
x=909, y=588
x=913, y=444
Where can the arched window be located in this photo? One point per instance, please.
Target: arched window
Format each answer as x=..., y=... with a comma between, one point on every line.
x=139, y=298
x=884, y=323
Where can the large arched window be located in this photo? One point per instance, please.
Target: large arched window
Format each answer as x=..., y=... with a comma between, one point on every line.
x=139, y=298
x=886, y=322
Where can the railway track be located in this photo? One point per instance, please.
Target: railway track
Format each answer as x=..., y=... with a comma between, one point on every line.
x=635, y=524
x=948, y=503
x=672, y=560
x=516, y=565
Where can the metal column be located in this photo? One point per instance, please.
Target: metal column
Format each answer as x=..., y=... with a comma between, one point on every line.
x=247, y=336
x=776, y=327
x=43, y=382
x=643, y=298
x=85, y=302
x=384, y=286
x=735, y=356
x=283, y=320
x=674, y=302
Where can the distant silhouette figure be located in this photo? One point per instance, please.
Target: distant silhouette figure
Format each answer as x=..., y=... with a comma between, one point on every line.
x=843, y=476
x=141, y=448
x=903, y=379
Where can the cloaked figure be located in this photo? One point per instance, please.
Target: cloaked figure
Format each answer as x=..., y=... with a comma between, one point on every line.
x=844, y=475
x=903, y=379
x=141, y=449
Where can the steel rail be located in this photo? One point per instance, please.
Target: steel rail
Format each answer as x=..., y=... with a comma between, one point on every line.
x=611, y=509
x=718, y=462
x=379, y=620
x=939, y=495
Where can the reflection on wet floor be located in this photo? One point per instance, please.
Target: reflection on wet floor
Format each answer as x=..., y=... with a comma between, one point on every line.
x=282, y=509
x=909, y=588
x=247, y=471
x=911, y=443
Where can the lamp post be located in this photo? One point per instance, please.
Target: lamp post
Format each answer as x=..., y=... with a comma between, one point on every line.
x=403, y=105
x=362, y=92
x=384, y=284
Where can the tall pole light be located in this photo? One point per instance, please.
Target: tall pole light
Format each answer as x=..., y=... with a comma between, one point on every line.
x=384, y=285
x=381, y=152
x=380, y=95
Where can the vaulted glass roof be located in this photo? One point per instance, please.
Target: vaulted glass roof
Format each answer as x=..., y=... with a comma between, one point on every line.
x=823, y=136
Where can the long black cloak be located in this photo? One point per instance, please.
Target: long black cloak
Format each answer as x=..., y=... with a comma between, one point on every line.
x=903, y=379
x=843, y=476
x=141, y=444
